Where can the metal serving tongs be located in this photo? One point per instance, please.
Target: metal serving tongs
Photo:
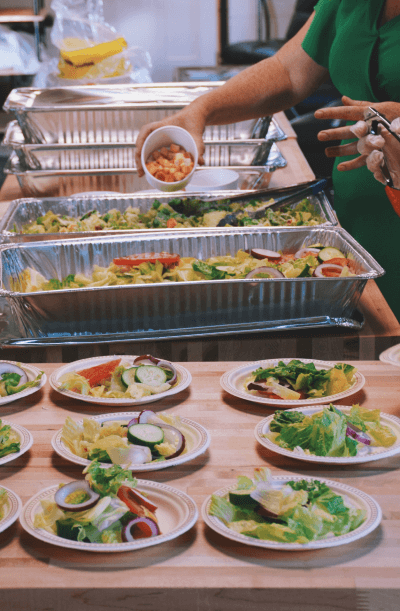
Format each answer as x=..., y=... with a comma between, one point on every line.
x=281, y=197
x=375, y=118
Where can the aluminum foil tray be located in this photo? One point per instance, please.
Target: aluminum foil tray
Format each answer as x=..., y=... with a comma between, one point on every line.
x=116, y=113
x=23, y=211
x=114, y=156
x=57, y=182
x=160, y=311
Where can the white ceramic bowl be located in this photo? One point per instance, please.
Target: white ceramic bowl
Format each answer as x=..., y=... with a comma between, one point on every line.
x=213, y=179
x=164, y=136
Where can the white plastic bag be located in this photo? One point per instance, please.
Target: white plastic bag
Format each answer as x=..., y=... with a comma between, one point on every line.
x=91, y=51
x=17, y=52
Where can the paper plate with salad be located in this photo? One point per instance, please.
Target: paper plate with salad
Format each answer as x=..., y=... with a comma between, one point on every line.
x=19, y=380
x=290, y=513
x=120, y=380
x=15, y=440
x=292, y=382
x=10, y=507
x=108, y=510
x=391, y=356
x=140, y=441
x=331, y=434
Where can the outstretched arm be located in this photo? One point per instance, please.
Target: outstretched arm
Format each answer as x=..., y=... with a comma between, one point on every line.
x=269, y=86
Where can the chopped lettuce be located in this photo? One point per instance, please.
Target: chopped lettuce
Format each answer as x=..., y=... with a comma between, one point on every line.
x=325, y=432
x=298, y=512
x=106, y=481
x=3, y=502
x=9, y=440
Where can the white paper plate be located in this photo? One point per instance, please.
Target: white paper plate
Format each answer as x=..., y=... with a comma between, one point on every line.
x=358, y=499
x=12, y=509
x=32, y=372
x=233, y=382
x=391, y=356
x=176, y=513
x=197, y=441
x=26, y=441
x=184, y=379
x=373, y=452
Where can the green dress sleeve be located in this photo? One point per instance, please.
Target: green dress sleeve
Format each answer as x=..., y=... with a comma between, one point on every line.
x=319, y=38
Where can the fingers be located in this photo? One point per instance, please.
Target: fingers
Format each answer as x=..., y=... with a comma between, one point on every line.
x=353, y=164
x=369, y=143
x=144, y=132
x=338, y=133
x=342, y=150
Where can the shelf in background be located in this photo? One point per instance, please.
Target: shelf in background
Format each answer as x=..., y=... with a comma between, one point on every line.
x=21, y=15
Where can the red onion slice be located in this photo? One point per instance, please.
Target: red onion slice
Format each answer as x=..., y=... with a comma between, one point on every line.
x=275, y=273
x=63, y=493
x=263, y=253
x=174, y=437
x=300, y=253
x=319, y=271
x=146, y=416
x=170, y=367
x=133, y=421
x=143, y=527
x=355, y=433
x=146, y=359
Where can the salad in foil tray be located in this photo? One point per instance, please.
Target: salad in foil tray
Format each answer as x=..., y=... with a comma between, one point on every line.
x=178, y=213
x=331, y=431
x=105, y=507
x=297, y=380
x=297, y=512
x=147, y=268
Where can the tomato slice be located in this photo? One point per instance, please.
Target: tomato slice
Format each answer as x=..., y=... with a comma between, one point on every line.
x=136, y=502
x=96, y=374
x=166, y=258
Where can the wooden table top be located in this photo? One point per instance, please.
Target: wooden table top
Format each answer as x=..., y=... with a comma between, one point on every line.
x=202, y=563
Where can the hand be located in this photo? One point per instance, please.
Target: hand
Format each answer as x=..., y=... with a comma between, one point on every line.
x=385, y=152
x=190, y=118
x=352, y=110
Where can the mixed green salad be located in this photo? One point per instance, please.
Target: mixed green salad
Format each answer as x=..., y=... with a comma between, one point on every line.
x=105, y=507
x=3, y=502
x=13, y=379
x=178, y=213
x=331, y=431
x=297, y=512
x=297, y=380
x=158, y=267
x=9, y=440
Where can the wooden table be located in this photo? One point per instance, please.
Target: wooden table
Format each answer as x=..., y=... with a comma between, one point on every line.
x=202, y=570
x=381, y=329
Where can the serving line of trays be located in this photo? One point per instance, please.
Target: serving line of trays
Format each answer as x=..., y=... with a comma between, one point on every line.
x=178, y=309
x=116, y=113
x=84, y=140
x=22, y=212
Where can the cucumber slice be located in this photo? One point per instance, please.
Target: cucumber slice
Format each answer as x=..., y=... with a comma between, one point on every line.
x=242, y=498
x=147, y=435
x=151, y=375
x=128, y=377
x=330, y=253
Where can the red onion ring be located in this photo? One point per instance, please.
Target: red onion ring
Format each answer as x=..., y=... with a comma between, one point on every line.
x=275, y=273
x=152, y=528
x=263, y=253
x=318, y=272
x=300, y=253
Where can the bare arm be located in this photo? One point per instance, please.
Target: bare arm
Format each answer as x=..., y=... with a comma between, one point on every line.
x=269, y=86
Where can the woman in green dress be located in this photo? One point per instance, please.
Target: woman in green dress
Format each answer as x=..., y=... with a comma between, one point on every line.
x=357, y=44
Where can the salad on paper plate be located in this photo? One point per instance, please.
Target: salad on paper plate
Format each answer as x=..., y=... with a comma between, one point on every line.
x=3, y=502
x=14, y=380
x=10, y=441
x=120, y=380
x=297, y=380
x=105, y=507
x=332, y=432
x=108, y=511
x=10, y=507
x=290, y=513
x=133, y=440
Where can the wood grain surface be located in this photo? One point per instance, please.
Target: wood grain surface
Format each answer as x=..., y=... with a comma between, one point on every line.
x=202, y=570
